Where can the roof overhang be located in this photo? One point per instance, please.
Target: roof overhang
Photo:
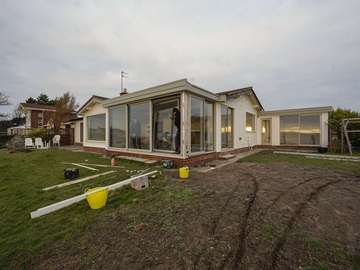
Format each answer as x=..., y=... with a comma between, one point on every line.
x=310, y=110
x=90, y=103
x=247, y=91
x=160, y=91
x=30, y=108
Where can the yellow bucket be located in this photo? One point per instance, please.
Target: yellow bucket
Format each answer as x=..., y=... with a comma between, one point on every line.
x=97, y=199
x=184, y=172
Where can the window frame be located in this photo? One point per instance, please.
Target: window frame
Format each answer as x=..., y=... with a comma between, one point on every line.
x=153, y=135
x=88, y=127
x=126, y=126
x=299, y=132
x=202, y=136
x=150, y=149
x=253, y=122
x=232, y=126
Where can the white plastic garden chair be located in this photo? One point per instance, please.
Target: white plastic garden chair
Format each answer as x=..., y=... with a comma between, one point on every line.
x=29, y=143
x=56, y=140
x=39, y=143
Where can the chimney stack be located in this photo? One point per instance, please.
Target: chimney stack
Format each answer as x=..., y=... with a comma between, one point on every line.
x=123, y=92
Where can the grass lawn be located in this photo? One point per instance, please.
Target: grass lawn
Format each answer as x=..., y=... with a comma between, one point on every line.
x=22, y=177
x=269, y=157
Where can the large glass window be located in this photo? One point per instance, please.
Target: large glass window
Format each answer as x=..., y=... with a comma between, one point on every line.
x=166, y=124
x=117, y=121
x=226, y=127
x=196, y=124
x=202, y=125
x=310, y=129
x=139, y=126
x=96, y=127
x=300, y=129
x=250, y=122
x=208, y=126
x=289, y=129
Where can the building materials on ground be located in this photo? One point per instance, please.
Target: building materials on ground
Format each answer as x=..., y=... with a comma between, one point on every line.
x=142, y=160
x=140, y=183
x=78, y=181
x=82, y=166
x=342, y=157
x=59, y=205
x=102, y=165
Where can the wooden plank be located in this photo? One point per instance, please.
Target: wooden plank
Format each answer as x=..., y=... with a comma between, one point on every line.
x=102, y=165
x=78, y=180
x=62, y=204
x=82, y=166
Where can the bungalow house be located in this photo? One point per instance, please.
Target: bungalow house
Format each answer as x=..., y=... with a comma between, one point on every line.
x=188, y=124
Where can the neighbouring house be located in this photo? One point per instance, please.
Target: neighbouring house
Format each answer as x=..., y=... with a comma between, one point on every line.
x=188, y=124
x=41, y=116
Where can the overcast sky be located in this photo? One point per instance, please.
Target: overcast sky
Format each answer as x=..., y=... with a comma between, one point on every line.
x=294, y=53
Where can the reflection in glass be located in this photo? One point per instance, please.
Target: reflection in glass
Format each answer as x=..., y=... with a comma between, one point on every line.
x=209, y=126
x=96, y=127
x=165, y=128
x=139, y=126
x=117, y=122
x=226, y=127
x=196, y=124
x=300, y=129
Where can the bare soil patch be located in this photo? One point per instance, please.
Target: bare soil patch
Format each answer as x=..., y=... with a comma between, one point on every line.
x=242, y=216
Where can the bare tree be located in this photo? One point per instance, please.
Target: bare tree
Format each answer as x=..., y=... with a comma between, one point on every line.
x=18, y=112
x=65, y=105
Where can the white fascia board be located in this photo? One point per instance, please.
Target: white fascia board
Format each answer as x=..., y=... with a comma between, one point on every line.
x=160, y=91
x=325, y=109
x=90, y=104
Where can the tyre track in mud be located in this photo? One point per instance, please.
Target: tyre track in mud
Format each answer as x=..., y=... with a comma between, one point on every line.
x=290, y=224
x=215, y=223
x=287, y=192
x=244, y=229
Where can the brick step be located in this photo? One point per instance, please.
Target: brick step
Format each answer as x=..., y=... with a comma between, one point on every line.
x=227, y=156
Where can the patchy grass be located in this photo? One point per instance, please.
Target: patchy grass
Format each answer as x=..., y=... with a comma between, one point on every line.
x=22, y=177
x=269, y=157
x=321, y=251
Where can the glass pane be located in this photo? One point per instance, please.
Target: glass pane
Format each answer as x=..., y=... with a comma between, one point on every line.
x=196, y=124
x=166, y=125
x=250, y=122
x=139, y=126
x=310, y=123
x=117, y=121
x=96, y=127
x=289, y=138
x=230, y=128
x=226, y=127
x=209, y=126
x=310, y=139
x=289, y=123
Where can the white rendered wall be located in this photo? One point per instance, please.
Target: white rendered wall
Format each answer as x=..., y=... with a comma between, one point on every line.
x=241, y=106
x=77, y=131
x=96, y=109
x=275, y=129
x=324, y=130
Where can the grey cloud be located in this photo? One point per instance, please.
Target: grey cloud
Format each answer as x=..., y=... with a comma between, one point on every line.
x=295, y=53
